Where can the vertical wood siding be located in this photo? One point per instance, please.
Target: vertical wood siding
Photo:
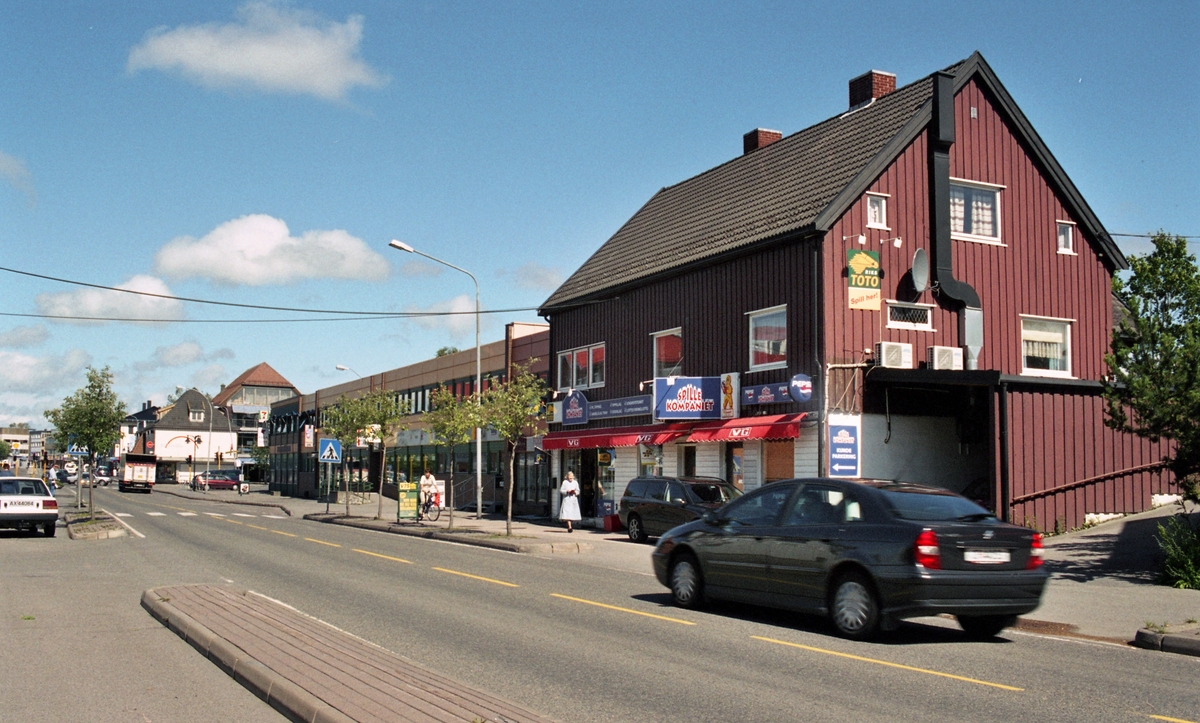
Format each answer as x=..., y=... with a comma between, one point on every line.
x=1059, y=438
x=710, y=305
x=1025, y=276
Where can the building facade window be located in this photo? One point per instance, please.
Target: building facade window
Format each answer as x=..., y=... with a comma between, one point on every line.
x=1066, y=238
x=196, y=415
x=975, y=211
x=1045, y=346
x=668, y=353
x=768, y=338
x=877, y=211
x=581, y=368
x=903, y=315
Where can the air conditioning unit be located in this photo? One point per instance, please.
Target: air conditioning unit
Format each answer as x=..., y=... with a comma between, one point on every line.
x=944, y=357
x=894, y=355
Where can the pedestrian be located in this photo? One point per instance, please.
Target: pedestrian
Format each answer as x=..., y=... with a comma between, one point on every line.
x=427, y=489
x=568, y=509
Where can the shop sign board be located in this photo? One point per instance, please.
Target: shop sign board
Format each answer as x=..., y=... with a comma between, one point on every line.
x=623, y=407
x=308, y=435
x=865, y=276
x=407, y=495
x=845, y=448
x=687, y=397
x=575, y=409
x=731, y=395
x=765, y=394
x=801, y=388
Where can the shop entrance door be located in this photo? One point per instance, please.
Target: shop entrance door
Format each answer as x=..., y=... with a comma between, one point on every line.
x=587, y=476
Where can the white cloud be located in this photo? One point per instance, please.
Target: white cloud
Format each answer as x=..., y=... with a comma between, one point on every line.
x=181, y=355
x=114, y=304
x=459, y=325
x=21, y=337
x=13, y=171
x=210, y=377
x=419, y=269
x=257, y=250
x=534, y=276
x=269, y=47
x=42, y=375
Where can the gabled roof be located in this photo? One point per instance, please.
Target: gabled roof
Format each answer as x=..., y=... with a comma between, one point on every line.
x=261, y=375
x=178, y=415
x=794, y=187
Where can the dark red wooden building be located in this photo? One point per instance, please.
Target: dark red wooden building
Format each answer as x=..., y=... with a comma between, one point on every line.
x=921, y=257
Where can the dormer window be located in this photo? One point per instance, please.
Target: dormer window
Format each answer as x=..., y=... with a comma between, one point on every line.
x=196, y=415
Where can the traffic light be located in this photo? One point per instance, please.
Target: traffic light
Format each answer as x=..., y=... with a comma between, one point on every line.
x=219, y=459
x=189, y=459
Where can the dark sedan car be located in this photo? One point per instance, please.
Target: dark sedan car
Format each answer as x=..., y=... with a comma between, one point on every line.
x=867, y=553
x=653, y=505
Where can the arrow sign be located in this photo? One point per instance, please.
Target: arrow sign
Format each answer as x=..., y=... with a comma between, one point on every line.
x=845, y=447
x=330, y=450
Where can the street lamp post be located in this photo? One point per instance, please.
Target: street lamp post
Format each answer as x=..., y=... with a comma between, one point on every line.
x=400, y=245
x=344, y=368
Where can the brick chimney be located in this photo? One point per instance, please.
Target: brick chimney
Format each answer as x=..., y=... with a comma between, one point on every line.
x=759, y=138
x=869, y=86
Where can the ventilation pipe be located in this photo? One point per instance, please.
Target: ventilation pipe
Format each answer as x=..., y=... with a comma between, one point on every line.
x=961, y=294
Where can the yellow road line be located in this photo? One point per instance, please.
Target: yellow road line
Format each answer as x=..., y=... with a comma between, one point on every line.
x=476, y=577
x=890, y=665
x=235, y=522
x=256, y=527
x=386, y=557
x=1168, y=719
x=620, y=609
x=322, y=542
x=280, y=532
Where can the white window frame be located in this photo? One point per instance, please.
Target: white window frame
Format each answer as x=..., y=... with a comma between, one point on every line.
x=998, y=239
x=569, y=355
x=592, y=384
x=1068, y=373
x=928, y=326
x=666, y=332
x=1059, y=225
x=881, y=198
x=195, y=415
x=750, y=317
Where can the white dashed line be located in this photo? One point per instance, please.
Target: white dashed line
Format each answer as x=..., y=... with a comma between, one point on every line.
x=214, y=514
x=157, y=514
x=187, y=514
x=242, y=514
x=276, y=517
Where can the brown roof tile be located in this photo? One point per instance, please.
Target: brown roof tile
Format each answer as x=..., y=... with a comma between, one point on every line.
x=257, y=376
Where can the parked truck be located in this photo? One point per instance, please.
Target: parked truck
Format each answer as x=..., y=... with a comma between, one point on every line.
x=138, y=473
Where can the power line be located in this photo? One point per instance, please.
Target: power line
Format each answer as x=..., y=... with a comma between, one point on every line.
x=236, y=321
x=384, y=314
x=1149, y=235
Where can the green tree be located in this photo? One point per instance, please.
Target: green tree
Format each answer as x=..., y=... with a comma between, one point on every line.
x=1153, y=389
x=345, y=421
x=446, y=351
x=5, y=449
x=91, y=418
x=262, y=459
x=514, y=408
x=452, y=421
x=384, y=414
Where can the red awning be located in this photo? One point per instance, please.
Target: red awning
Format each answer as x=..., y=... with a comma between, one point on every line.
x=776, y=426
x=615, y=437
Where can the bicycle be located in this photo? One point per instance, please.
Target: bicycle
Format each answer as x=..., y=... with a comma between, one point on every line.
x=431, y=510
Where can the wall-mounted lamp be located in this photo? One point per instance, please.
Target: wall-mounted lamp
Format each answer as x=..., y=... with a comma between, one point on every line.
x=862, y=240
x=897, y=242
x=642, y=385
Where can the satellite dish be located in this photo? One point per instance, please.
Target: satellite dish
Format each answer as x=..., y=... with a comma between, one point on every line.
x=920, y=270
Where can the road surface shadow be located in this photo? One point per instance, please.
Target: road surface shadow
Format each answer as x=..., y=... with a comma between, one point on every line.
x=1130, y=554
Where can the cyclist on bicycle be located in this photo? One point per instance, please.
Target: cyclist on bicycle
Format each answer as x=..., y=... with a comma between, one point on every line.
x=427, y=489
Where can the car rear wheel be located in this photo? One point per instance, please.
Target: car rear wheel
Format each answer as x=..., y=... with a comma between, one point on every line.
x=49, y=528
x=687, y=583
x=982, y=627
x=854, y=607
x=637, y=533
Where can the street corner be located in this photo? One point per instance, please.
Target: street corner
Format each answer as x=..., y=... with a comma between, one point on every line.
x=1183, y=639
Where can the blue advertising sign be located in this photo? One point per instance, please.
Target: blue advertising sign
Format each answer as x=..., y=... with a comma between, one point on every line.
x=801, y=388
x=329, y=450
x=845, y=431
x=687, y=397
x=575, y=408
x=623, y=407
x=766, y=394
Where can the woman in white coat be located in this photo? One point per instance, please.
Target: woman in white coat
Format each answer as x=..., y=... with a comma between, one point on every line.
x=568, y=508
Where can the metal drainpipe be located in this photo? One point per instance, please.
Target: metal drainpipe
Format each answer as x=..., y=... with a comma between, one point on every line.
x=1005, y=489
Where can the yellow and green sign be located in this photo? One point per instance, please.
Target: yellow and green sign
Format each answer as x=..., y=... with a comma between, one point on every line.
x=865, y=277
x=406, y=500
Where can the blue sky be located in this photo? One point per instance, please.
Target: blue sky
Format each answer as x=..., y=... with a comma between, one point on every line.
x=265, y=153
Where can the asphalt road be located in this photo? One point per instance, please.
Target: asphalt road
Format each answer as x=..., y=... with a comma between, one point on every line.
x=584, y=638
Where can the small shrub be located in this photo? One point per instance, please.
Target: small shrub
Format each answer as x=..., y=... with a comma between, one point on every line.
x=1180, y=544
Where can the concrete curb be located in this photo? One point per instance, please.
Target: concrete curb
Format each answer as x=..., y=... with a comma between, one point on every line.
x=272, y=688
x=75, y=534
x=1168, y=642
x=463, y=538
x=242, y=501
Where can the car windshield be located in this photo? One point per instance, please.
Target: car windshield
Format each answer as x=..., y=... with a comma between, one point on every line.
x=715, y=493
x=921, y=503
x=16, y=486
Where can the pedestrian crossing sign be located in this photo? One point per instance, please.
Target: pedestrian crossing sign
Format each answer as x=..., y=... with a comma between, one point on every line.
x=329, y=450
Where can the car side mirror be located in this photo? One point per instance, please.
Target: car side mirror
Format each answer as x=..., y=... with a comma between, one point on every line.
x=711, y=518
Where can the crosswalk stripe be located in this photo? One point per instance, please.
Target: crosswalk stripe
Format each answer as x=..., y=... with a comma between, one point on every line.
x=157, y=514
x=214, y=514
x=187, y=514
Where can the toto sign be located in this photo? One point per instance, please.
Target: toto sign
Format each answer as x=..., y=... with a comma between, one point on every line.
x=575, y=408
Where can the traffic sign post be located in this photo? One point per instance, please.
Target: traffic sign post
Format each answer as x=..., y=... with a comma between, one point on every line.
x=845, y=448
x=329, y=453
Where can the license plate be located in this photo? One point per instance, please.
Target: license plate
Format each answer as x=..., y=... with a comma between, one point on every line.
x=987, y=557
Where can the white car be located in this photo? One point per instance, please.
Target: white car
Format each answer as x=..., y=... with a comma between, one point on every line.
x=26, y=504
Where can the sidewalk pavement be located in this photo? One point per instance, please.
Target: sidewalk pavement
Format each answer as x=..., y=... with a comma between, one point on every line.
x=1103, y=579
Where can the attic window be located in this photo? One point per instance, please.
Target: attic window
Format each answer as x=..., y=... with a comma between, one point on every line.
x=975, y=211
x=196, y=415
x=877, y=211
x=1066, y=238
